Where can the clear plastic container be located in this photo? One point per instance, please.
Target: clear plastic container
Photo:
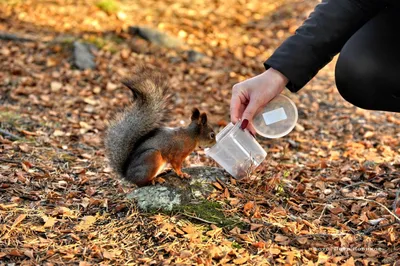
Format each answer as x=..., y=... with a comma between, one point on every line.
x=237, y=151
x=277, y=118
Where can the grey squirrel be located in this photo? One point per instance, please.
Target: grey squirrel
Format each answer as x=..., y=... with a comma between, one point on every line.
x=139, y=145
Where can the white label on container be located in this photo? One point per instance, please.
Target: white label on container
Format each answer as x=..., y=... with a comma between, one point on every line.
x=274, y=116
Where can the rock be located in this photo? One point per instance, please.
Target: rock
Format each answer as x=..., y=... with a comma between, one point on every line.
x=83, y=57
x=176, y=191
x=194, y=56
x=155, y=36
x=156, y=197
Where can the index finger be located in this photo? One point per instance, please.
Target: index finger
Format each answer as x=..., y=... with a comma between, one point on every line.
x=238, y=104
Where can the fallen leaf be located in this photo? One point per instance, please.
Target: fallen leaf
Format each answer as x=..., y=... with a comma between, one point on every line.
x=241, y=260
x=58, y=133
x=49, y=221
x=15, y=252
x=108, y=255
x=397, y=211
x=24, y=147
x=248, y=206
x=55, y=86
x=19, y=219
x=349, y=262
x=259, y=244
x=369, y=134
x=29, y=253
x=255, y=226
x=217, y=185
x=86, y=222
x=8, y=206
x=281, y=238
x=336, y=210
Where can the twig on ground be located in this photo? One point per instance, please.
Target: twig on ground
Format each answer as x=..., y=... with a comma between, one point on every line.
x=9, y=135
x=396, y=201
x=374, y=201
x=374, y=228
x=9, y=161
x=362, y=183
x=323, y=212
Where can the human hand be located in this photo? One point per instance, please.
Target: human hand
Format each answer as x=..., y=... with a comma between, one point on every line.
x=250, y=95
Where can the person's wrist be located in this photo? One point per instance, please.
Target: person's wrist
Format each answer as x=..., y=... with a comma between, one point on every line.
x=278, y=77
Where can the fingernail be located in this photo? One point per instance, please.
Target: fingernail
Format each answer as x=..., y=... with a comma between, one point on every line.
x=244, y=124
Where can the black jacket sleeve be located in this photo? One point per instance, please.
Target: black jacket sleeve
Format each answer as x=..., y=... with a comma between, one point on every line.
x=320, y=38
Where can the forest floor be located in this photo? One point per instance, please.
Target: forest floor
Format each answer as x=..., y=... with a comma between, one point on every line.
x=325, y=195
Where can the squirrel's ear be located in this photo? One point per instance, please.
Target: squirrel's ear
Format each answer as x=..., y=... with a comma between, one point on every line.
x=195, y=114
x=203, y=118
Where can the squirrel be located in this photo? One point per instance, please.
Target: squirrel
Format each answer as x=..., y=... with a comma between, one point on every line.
x=139, y=145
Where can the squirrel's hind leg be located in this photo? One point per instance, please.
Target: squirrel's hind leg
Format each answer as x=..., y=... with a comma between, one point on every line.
x=143, y=168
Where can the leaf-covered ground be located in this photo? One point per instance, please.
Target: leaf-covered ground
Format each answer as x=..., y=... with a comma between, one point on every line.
x=324, y=196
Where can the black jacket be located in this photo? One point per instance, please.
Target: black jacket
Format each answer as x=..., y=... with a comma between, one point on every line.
x=321, y=37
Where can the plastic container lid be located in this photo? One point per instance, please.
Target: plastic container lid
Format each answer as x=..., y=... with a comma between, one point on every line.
x=277, y=118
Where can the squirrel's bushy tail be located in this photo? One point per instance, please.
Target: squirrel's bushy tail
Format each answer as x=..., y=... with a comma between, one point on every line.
x=148, y=112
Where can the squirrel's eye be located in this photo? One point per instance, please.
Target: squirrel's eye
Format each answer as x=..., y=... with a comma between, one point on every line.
x=212, y=135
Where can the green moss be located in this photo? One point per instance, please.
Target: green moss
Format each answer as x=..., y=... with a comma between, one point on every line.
x=96, y=41
x=108, y=6
x=9, y=118
x=108, y=43
x=210, y=211
x=236, y=245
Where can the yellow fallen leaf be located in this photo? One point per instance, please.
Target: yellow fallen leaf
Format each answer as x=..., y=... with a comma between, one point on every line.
x=8, y=206
x=369, y=134
x=19, y=219
x=241, y=260
x=49, y=222
x=58, y=133
x=86, y=222
x=108, y=255
x=66, y=212
x=322, y=258
x=38, y=229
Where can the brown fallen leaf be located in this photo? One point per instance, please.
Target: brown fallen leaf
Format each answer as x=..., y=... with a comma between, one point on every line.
x=15, y=252
x=29, y=253
x=217, y=185
x=259, y=244
x=248, y=206
x=281, y=238
x=24, y=147
x=255, y=226
x=336, y=210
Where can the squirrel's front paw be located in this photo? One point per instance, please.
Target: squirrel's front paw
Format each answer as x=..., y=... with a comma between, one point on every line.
x=184, y=175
